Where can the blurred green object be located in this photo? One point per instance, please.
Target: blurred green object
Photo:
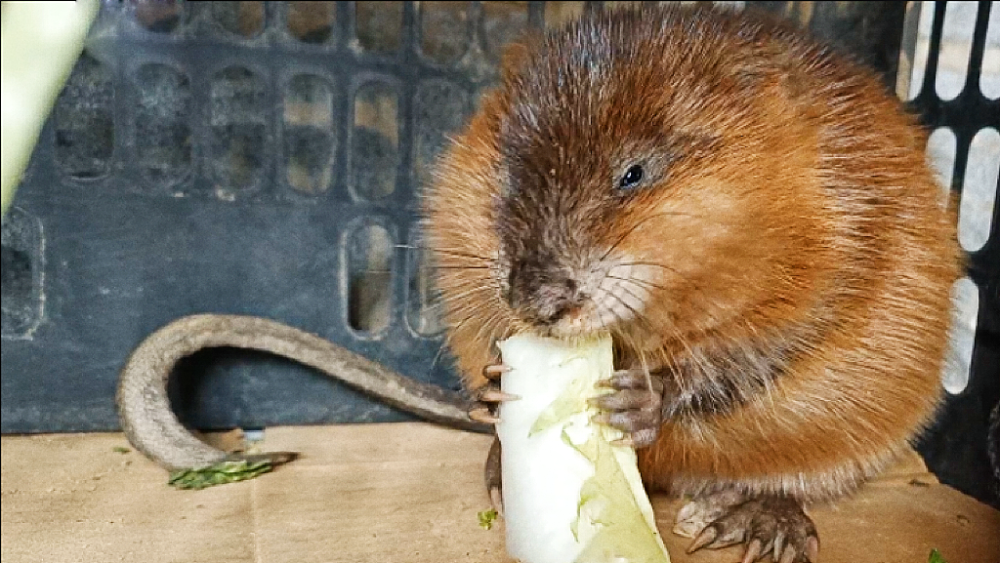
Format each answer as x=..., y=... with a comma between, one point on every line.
x=39, y=44
x=486, y=518
x=936, y=557
x=218, y=474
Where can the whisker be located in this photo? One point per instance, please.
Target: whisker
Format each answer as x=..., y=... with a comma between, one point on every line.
x=443, y=251
x=646, y=284
x=653, y=264
x=486, y=326
x=636, y=349
x=452, y=298
x=691, y=354
x=600, y=314
x=638, y=281
x=387, y=271
x=446, y=342
x=638, y=224
x=449, y=335
x=498, y=330
x=643, y=284
x=495, y=328
x=697, y=374
x=638, y=315
x=645, y=370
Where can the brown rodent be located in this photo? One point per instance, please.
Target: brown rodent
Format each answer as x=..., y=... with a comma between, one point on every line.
x=749, y=214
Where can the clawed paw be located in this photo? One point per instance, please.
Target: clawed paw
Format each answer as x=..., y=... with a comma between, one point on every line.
x=766, y=525
x=635, y=406
x=488, y=397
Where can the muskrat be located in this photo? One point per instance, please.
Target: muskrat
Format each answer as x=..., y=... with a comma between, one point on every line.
x=751, y=216
x=745, y=210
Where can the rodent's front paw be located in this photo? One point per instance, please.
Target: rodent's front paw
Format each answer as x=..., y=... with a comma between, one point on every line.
x=635, y=406
x=488, y=397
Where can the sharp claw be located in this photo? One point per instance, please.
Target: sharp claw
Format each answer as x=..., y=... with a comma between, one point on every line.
x=706, y=537
x=812, y=548
x=495, y=396
x=753, y=551
x=495, y=370
x=483, y=414
x=788, y=556
x=625, y=441
x=779, y=545
x=601, y=418
x=598, y=403
x=687, y=511
x=496, y=499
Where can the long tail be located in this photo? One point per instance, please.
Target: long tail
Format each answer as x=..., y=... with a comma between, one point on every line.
x=152, y=428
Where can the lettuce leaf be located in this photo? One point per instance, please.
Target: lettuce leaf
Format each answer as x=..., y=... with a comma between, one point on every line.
x=570, y=495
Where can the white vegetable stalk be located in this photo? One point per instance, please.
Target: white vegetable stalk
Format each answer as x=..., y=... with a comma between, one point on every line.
x=39, y=44
x=569, y=496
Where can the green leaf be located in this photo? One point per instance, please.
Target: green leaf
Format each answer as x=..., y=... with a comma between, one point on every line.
x=936, y=557
x=587, y=449
x=486, y=518
x=572, y=401
x=613, y=519
x=218, y=474
x=623, y=531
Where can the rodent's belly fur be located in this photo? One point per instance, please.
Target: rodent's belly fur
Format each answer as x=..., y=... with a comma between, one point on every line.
x=837, y=416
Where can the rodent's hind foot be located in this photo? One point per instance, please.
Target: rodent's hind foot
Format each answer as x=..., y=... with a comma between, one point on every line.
x=635, y=406
x=766, y=524
x=694, y=516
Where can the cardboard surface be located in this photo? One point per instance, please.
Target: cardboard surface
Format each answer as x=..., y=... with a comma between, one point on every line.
x=399, y=493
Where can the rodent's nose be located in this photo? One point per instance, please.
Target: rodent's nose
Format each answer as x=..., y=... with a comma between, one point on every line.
x=540, y=293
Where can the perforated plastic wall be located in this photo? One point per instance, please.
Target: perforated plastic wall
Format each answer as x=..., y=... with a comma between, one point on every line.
x=966, y=106
x=244, y=157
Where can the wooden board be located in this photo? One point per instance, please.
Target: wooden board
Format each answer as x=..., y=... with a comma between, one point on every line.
x=399, y=493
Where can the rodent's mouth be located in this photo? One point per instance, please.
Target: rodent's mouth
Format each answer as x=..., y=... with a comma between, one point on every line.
x=580, y=303
x=601, y=299
x=559, y=333
x=585, y=320
x=565, y=329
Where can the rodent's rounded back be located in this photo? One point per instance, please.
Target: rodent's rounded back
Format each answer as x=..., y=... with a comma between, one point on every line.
x=686, y=178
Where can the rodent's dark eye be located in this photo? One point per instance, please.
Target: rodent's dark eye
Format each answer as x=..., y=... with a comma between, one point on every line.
x=631, y=178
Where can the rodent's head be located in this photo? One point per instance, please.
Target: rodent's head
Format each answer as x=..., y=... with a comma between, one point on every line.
x=617, y=181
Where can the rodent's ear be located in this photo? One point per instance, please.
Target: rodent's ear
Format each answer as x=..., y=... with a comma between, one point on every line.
x=514, y=57
x=516, y=54
x=765, y=61
x=769, y=68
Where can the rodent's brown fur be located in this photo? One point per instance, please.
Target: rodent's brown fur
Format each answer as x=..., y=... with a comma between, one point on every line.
x=801, y=302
